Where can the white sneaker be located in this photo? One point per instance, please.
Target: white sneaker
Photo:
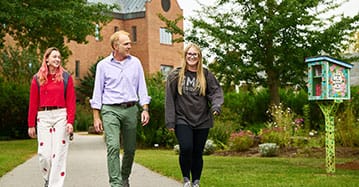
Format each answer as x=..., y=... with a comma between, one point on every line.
x=187, y=184
x=195, y=183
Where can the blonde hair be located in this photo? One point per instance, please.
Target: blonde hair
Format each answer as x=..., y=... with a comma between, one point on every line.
x=201, y=80
x=44, y=69
x=115, y=38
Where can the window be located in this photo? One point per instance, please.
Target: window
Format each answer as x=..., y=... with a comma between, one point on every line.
x=77, y=69
x=97, y=33
x=165, y=36
x=134, y=33
x=165, y=69
x=115, y=29
x=166, y=4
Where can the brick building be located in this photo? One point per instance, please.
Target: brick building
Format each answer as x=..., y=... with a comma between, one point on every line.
x=151, y=43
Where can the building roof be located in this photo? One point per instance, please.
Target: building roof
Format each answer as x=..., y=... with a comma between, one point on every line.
x=129, y=8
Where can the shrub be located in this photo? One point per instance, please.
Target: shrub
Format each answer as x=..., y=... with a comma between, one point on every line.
x=306, y=116
x=14, y=101
x=16, y=70
x=156, y=132
x=83, y=118
x=355, y=100
x=275, y=135
x=346, y=125
x=268, y=149
x=356, y=138
x=299, y=141
x=255, y=128
x=281, y=116
x=230, y=106
x=241, y=141
x=316, y=140
x=282, y=125
x=246, y=107
x=295, y=99
x=209, y=148
x=221, y=132
x=176, y=149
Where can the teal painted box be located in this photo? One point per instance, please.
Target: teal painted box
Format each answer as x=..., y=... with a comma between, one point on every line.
x=328, y=78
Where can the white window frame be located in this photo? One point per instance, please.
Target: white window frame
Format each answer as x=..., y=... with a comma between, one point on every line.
x=165, y=36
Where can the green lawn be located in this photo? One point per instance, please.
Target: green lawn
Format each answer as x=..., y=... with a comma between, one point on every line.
x=253, y=171
x=13, y=153
x=218, y=170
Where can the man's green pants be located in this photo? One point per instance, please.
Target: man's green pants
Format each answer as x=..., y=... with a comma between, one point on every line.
x=118, y=120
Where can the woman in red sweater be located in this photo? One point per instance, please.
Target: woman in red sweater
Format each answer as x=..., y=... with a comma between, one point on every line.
x=52, y=112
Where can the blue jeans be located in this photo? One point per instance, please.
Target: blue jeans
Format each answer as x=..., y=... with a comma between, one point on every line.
x=118, y=120
x=191, y=142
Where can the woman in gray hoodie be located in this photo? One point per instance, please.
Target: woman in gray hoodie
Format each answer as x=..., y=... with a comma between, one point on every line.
x=193, y=96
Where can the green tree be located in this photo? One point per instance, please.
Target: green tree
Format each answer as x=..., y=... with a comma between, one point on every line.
x=85, y=89
x=265, y=42
x=18, y=65
x=356, y=44
x=35, y=24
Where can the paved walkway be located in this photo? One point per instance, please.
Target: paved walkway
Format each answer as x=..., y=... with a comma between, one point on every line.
x=86, y=168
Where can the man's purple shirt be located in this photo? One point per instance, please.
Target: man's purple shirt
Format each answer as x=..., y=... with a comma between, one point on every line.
x=119, y=82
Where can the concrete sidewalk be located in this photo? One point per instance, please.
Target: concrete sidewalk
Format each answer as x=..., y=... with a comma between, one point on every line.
x=86, y=167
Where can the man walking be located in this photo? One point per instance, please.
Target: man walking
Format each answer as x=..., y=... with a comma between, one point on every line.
x=119, y=86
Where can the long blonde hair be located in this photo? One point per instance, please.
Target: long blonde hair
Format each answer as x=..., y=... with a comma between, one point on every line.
x=44, y=70
x=201, y=80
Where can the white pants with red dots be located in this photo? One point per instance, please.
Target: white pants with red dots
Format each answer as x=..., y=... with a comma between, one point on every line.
x=53, y=144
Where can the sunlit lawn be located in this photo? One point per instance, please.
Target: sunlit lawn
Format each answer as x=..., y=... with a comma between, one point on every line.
x=218, y=170
x=13, y=153
x=252, y=171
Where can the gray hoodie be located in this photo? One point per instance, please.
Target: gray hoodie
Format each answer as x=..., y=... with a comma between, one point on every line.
x=191, y=108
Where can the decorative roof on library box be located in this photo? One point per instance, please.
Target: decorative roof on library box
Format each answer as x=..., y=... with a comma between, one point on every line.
x=329, y=59
x=328, y=78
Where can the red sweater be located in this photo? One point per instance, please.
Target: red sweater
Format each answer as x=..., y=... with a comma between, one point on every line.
x=51, y=94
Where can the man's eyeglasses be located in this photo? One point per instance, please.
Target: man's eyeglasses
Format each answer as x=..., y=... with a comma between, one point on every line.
x=192, y=54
